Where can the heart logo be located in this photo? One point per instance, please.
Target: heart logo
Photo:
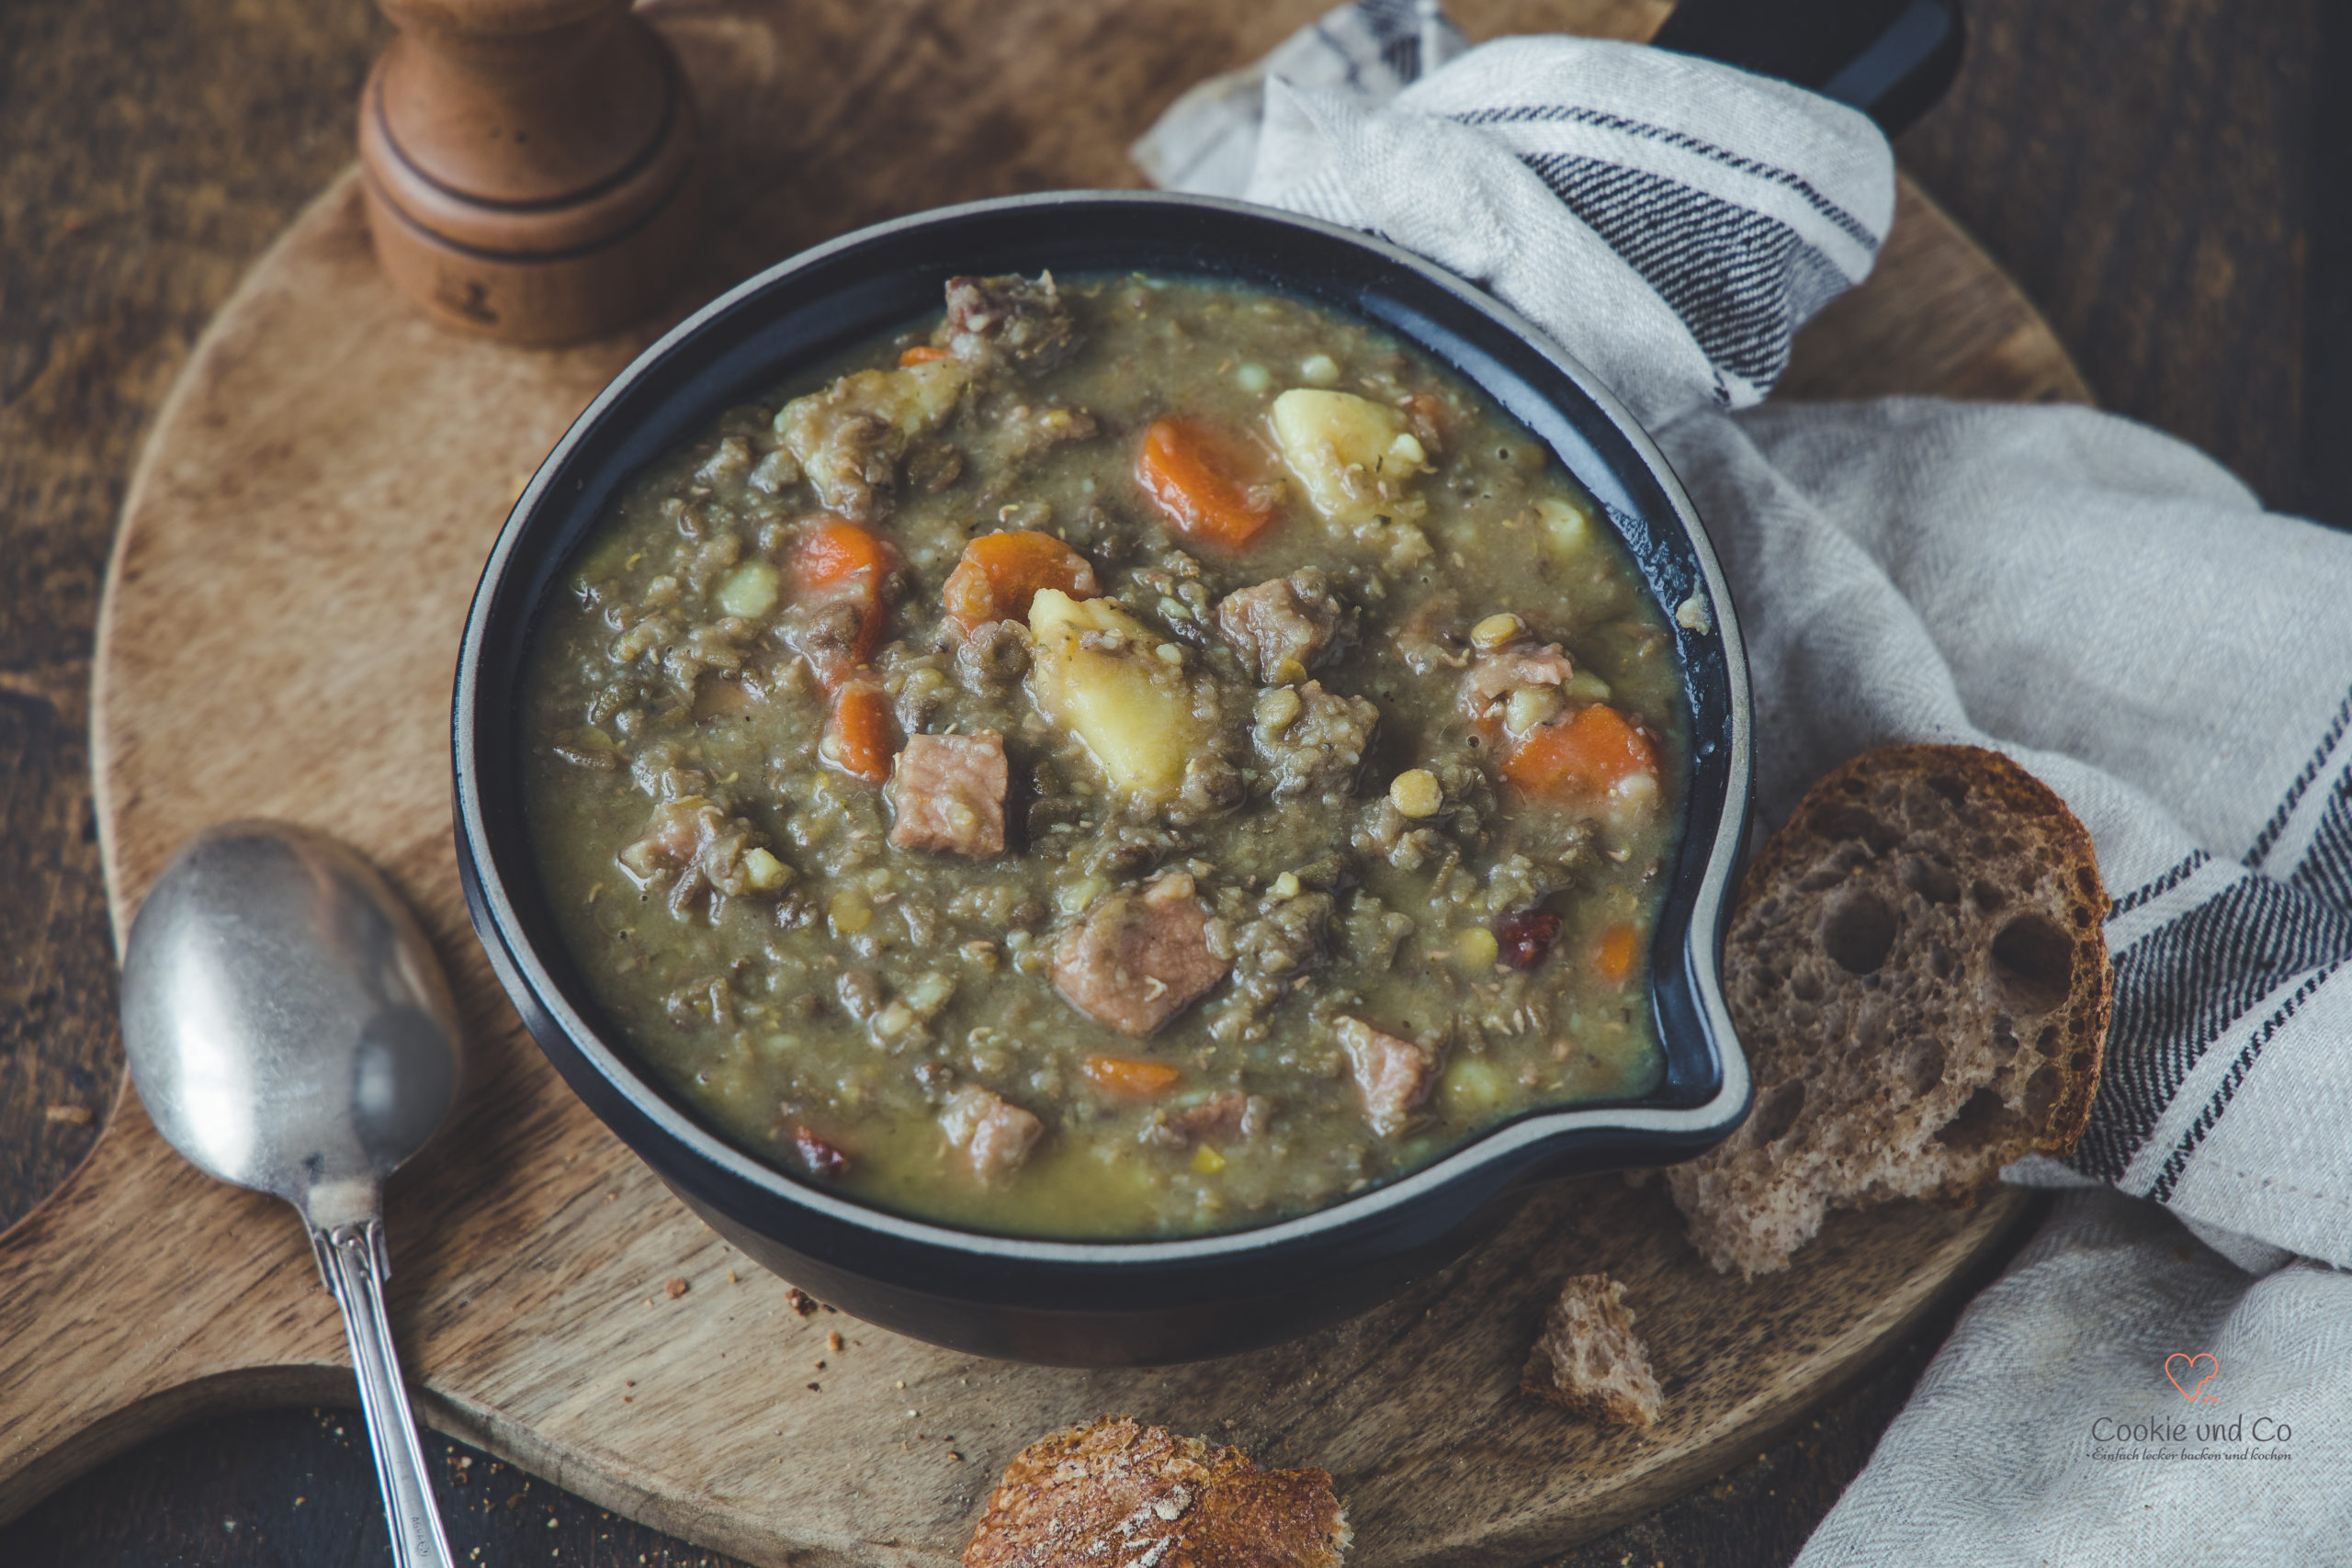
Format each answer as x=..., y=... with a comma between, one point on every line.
x=2188, y=1368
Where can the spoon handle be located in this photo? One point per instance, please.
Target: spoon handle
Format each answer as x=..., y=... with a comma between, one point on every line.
x=356, y=1266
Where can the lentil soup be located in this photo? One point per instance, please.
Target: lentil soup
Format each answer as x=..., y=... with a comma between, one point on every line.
x=1124, y=757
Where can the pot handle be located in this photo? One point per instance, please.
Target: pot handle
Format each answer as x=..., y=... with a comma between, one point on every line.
x=1890, y=59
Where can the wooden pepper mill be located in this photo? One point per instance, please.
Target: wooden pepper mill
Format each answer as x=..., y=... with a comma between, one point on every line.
x=531, y=167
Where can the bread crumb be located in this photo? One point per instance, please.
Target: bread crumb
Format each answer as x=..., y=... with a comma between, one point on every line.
x=800, y=1301
x=70, y=1115
x=834, y=1339
x=674, y=1288
x=1589, y=1361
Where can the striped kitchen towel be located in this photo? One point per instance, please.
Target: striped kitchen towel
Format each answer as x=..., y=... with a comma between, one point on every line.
x=1578, y=180
x=2103, y=603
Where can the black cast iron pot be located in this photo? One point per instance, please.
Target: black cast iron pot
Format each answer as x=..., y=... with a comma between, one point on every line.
x=1107, y=1302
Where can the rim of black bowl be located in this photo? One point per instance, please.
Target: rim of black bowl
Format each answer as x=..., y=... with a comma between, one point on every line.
x=1703, y=1097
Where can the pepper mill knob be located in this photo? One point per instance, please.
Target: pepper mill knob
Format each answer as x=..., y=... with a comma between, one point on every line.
x=531, y=165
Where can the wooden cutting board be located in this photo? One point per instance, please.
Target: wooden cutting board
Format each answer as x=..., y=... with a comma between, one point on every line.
x=305, y=527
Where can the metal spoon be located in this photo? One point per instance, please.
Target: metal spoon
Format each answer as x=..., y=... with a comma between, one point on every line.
x=290, y=1030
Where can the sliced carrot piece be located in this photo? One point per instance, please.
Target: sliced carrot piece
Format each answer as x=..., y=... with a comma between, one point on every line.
x=1198, y=481
x=834, y=550
x=1001, y=573
x=838, y=560
x=861, y=735
x=1590, y=753
x=1614, y=956
x=1136, y=1075
x=922, y=353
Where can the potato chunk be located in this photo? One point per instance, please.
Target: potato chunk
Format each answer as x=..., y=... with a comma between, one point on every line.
x=1095, y=670
x=1352, y=456
x=849, y=437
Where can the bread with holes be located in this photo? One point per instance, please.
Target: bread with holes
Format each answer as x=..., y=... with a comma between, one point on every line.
x=1589, y=1361
x=1118, y=1493
x=1918, y=972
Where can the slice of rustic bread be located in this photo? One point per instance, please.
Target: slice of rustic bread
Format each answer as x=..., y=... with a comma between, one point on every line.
x=1589, y=1360
x=1118, y=1493
x=1918, y=975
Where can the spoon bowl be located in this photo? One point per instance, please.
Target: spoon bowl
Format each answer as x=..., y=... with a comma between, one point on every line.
x=290, y=1030
x=285, y=1020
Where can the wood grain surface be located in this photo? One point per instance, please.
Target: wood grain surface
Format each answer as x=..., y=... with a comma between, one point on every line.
x=2152, y=169
x=150, y=148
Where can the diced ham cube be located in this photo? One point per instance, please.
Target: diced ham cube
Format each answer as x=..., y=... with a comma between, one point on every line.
x=1492, y=677
x=1007, y=319
x=995, y=1135
x=1225, y=1117
x=1393, y=1075
x=1280, y=625
x=671, y=838
x=1139, y=958
x=949, y=794
x=823, y=1158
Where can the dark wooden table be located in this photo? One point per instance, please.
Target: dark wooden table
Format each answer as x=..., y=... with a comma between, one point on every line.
x=2171, y=182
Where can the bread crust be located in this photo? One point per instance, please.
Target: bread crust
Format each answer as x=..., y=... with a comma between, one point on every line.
x=1917, y=971
x=1115, y=1491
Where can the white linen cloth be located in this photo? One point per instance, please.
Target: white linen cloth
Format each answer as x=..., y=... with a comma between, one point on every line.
x=2097, y=600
